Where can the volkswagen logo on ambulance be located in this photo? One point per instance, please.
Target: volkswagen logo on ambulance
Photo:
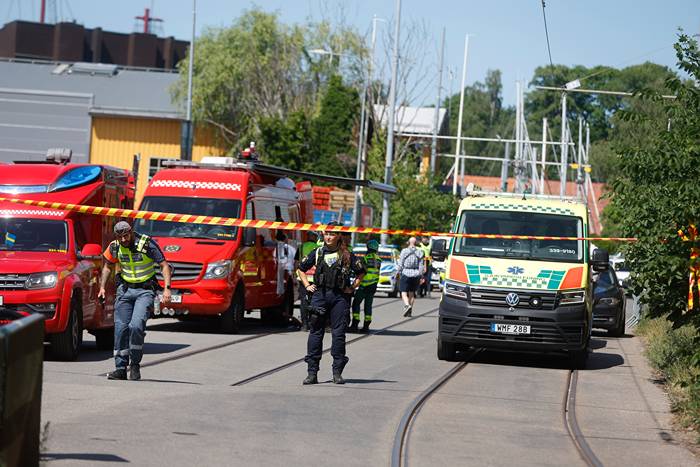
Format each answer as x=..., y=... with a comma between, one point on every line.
x=512, y=299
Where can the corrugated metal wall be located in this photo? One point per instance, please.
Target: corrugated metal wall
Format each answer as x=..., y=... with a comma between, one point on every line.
x=115, y=140
x=33, y=121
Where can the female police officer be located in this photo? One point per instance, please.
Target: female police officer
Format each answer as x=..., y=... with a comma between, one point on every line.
x=330, y=300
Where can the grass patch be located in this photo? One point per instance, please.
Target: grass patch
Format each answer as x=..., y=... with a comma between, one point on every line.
x=672, y=352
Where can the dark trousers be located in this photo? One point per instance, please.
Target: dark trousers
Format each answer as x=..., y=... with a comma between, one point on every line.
x=365, y=294
x=304, y=303
x=337, y=308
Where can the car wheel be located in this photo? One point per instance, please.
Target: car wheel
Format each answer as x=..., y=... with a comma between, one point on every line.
x=446, y=350
x=232, y=318
x=66, y=345
x=619, y=329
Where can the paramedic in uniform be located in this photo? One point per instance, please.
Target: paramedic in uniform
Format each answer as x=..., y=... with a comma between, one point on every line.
x=137, y=256
x=330, y=291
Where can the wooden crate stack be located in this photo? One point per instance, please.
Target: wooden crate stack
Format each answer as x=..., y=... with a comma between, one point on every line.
x=342, y=199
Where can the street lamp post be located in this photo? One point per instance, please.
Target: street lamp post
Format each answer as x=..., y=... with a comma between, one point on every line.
x=361, y=163
x=390, y=126
x=187, y=132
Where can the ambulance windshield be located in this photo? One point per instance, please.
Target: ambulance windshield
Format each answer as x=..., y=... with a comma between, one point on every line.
x=33, y=235
x=197, y=206
x=520, y=223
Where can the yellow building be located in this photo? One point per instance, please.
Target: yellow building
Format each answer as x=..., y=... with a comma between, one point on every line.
x=115, y=140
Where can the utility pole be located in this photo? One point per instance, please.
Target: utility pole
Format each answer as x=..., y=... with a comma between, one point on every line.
x=458, y=150
x=360, y=171
x=187, y=135
x=564, y=148
x=390, y=126
x=436, y=120
x=544, y=153
x=518, y=169
x=504, y=167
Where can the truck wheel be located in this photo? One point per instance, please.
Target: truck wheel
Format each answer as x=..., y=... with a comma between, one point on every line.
x=446, y=350
x=104, y=339
x=65, y=345
x=232, y=318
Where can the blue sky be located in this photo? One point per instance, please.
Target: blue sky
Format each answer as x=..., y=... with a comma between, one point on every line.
x=507, y=34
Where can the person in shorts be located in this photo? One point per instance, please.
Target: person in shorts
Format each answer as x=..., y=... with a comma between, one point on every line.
x=411, y=268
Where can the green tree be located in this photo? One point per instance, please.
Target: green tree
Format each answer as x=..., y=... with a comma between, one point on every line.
x=333, y=129
x=287, y=142
x=656, y=192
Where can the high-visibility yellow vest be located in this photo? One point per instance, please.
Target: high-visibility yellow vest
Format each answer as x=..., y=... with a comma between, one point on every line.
x=136, y=267
x=373, y=263
x=426, y=251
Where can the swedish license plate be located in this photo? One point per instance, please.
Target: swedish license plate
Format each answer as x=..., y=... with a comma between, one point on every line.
x=174, y=298
x=510, y=328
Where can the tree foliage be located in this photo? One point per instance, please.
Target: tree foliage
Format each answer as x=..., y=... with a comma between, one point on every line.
x=656, y=192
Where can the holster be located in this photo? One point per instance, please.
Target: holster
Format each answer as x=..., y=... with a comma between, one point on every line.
x=316, y=314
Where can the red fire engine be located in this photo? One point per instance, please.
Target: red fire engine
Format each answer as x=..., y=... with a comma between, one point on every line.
x=50, y=260
x=224, y=271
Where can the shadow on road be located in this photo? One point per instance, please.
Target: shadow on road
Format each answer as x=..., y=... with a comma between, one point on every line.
x=89, y=353
x=367, y=381
x=596, y=360
x=392, y=332
x=79, y=456
x=209, y=326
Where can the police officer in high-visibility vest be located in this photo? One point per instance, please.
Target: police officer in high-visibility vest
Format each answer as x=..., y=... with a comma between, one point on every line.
x=331, y=290
x=137, y=256
x=368, y=287
x=306, y=248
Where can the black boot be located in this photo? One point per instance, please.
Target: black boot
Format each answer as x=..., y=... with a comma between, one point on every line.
x=119, y=373
x=338, y=379
x=365, y=327
x=135, y=372
x=311, y=379
x=353, y=326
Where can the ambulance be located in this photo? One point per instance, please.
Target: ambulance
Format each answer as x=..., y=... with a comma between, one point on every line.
x=219, y=271
x=519, y=294
x=50, y=260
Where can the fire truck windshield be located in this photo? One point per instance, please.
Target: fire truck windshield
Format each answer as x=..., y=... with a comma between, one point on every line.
x=33, y=235
x=196, y=206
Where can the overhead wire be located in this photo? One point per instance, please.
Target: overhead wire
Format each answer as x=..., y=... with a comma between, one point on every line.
x=546, y=33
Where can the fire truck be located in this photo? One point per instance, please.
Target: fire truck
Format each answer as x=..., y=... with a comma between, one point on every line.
x=50, y=260
x=221, y=271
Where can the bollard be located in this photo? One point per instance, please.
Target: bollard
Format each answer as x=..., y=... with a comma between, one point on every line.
x=21, y=371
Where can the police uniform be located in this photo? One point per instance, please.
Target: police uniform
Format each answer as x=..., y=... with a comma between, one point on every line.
x=329, y=302
x=366, y=291
x=306, y=249
x=135, y=295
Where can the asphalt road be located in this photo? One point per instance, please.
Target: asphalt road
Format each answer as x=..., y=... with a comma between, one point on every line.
x=501, y=409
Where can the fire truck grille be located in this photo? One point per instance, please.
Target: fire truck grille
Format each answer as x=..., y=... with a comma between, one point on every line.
x=183, y=271
x=13, y=281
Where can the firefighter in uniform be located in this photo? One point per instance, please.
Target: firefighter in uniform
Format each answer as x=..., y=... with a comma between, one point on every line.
x=368, y=287
x=306, y=248
x=137, y=256
x=425, y=286
x=329, y=302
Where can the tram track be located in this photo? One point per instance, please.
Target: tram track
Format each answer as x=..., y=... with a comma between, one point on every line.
x=279, y=368
x=228, y=343
x=568, y=411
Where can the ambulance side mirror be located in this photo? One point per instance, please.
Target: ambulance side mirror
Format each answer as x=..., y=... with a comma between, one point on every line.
x=91, y=251
x=249, y=235
x=600, y=260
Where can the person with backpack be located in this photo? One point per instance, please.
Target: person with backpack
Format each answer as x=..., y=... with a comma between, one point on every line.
x=330, y=291
x=411, y=267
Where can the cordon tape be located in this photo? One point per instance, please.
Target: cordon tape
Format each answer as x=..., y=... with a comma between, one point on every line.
x=263, y=224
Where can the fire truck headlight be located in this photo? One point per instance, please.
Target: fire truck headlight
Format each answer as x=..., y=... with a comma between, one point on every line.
x=218, y=269
x=42, y=280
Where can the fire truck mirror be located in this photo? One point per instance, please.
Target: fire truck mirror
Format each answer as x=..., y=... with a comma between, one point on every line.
x=249, y=236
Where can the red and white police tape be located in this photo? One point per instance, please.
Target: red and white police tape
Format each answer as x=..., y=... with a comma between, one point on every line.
x=263, y=224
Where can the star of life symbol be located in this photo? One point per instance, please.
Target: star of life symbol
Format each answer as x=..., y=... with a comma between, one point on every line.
x=516, y=270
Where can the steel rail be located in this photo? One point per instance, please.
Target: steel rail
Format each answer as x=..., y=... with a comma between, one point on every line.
x=277, y=369
x=571, y=424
